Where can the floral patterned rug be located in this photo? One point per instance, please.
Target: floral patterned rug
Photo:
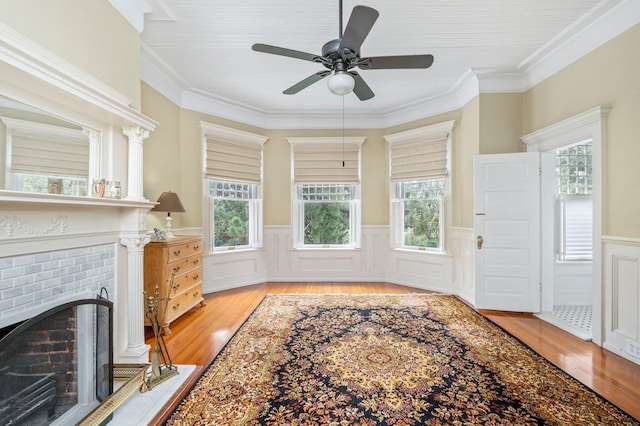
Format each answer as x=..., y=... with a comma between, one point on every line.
x=383, y=360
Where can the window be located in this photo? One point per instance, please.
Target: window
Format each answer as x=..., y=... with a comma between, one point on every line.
x=422, y=203
x=326, y=184
x=418, y=171
x=328, y=212
x=45, y=158
x=574, y=202
x=233, y=171
x=234, y=207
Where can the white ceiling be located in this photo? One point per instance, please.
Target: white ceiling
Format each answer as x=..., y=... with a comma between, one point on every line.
x=198, y=52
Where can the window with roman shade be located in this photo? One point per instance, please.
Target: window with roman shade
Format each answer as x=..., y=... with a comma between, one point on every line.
x=325, y=177
x=420, y=153
x=326, y=160
x=419, y=186
x=41, y=149
x=233, y=155
x=233, y=181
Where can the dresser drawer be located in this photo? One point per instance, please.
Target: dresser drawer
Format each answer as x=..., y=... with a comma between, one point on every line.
x=185, y=265
x=180, y=251
x=185, y=281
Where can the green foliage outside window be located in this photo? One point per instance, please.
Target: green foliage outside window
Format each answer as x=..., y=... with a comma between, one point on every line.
x=422, y=223
x=231, y=212
x=326, y=223
x=231, y=223
x=422, y=204
x=327, y=213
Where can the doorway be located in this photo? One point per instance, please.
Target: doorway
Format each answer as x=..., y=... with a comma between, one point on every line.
x=588, y=125
x=567, y=238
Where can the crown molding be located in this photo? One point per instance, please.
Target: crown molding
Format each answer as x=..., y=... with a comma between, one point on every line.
x=606, y=21
x=133, y=11
x=29, y=59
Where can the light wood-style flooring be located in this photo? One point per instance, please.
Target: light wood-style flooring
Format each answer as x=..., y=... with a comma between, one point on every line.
x=199, y=335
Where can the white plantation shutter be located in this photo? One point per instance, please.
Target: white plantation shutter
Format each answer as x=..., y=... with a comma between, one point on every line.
x=326, y=160
x=232, y=154
x=576, y=221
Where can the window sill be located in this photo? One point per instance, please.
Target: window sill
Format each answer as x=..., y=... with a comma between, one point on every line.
x=421, y=252
x=17, y=197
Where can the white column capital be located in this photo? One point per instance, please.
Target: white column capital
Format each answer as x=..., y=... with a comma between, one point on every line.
x=136, y=134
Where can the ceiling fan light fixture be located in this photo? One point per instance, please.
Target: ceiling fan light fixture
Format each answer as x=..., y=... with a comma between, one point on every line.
x=341, y=83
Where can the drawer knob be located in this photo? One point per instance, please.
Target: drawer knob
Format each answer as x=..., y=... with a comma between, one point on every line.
x=176, y=287
x=176, y=253
x=176, y=269
x=196, y=294
x=196, y=248
x=196, y=261
x=176, y=306
x=195, y=277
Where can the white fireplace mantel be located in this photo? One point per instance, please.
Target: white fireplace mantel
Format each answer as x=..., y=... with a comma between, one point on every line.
x=32, y=225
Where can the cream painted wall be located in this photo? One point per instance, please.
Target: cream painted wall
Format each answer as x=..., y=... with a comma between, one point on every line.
x=608, y=75
x=161, y=165
x=90, y=34
x=465, y=147
x=500, y=124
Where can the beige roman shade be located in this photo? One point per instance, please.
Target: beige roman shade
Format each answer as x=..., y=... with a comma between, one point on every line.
x=419, y=153
x=326, y=159
x=36, y=148
x=232, y=154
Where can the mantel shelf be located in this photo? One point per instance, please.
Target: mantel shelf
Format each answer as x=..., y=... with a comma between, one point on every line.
x=16, y=198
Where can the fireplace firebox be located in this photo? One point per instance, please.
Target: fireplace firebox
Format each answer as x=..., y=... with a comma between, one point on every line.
x=57, y=367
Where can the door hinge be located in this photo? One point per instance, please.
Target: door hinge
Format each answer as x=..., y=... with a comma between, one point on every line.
x=539, y=171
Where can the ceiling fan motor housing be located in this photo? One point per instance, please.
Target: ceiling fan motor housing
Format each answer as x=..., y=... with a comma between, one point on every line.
x=340, y=59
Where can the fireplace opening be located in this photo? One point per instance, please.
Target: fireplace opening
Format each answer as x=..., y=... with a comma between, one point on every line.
x=57, y=367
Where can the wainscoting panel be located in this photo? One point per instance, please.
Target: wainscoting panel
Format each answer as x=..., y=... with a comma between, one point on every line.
x=232, y=269
x=463, y=254
x=622, y=297
x=373, y=261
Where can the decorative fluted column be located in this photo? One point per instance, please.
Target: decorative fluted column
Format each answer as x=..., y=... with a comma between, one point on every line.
x=136, y=136
x=137, y=351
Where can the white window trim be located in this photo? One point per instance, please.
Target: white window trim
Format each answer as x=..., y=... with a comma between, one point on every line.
x=222, y=133
x=396, y=220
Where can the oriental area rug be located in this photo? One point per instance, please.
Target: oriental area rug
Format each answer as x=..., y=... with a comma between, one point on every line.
x=383, y=360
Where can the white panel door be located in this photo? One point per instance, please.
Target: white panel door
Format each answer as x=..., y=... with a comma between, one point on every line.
x=507, y=231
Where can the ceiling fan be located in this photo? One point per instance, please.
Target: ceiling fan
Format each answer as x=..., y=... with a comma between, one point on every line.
x=339, y=56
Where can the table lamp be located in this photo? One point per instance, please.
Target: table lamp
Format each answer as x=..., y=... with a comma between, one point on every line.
x=168, y=202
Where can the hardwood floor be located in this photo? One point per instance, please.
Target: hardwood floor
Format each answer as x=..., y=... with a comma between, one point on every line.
x=199, y=335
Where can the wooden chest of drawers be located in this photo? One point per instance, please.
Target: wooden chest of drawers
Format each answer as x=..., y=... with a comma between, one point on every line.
x=180, y=257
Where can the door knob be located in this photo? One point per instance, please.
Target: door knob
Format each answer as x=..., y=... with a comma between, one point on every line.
x=479, y=241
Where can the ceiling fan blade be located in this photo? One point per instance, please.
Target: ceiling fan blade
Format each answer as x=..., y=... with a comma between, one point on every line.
x=275, y=50
x=361, y=89
x=396, y=62
x=360, y=23
x=306, y=82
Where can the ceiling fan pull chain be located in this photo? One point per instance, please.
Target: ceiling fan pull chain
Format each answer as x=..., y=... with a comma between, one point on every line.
x=342, y=128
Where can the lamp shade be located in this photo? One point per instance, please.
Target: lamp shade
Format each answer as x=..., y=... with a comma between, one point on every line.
x=341, y=83
x=168, y=202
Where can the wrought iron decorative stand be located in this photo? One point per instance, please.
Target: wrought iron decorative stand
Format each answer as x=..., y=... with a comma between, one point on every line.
x=162, y=367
